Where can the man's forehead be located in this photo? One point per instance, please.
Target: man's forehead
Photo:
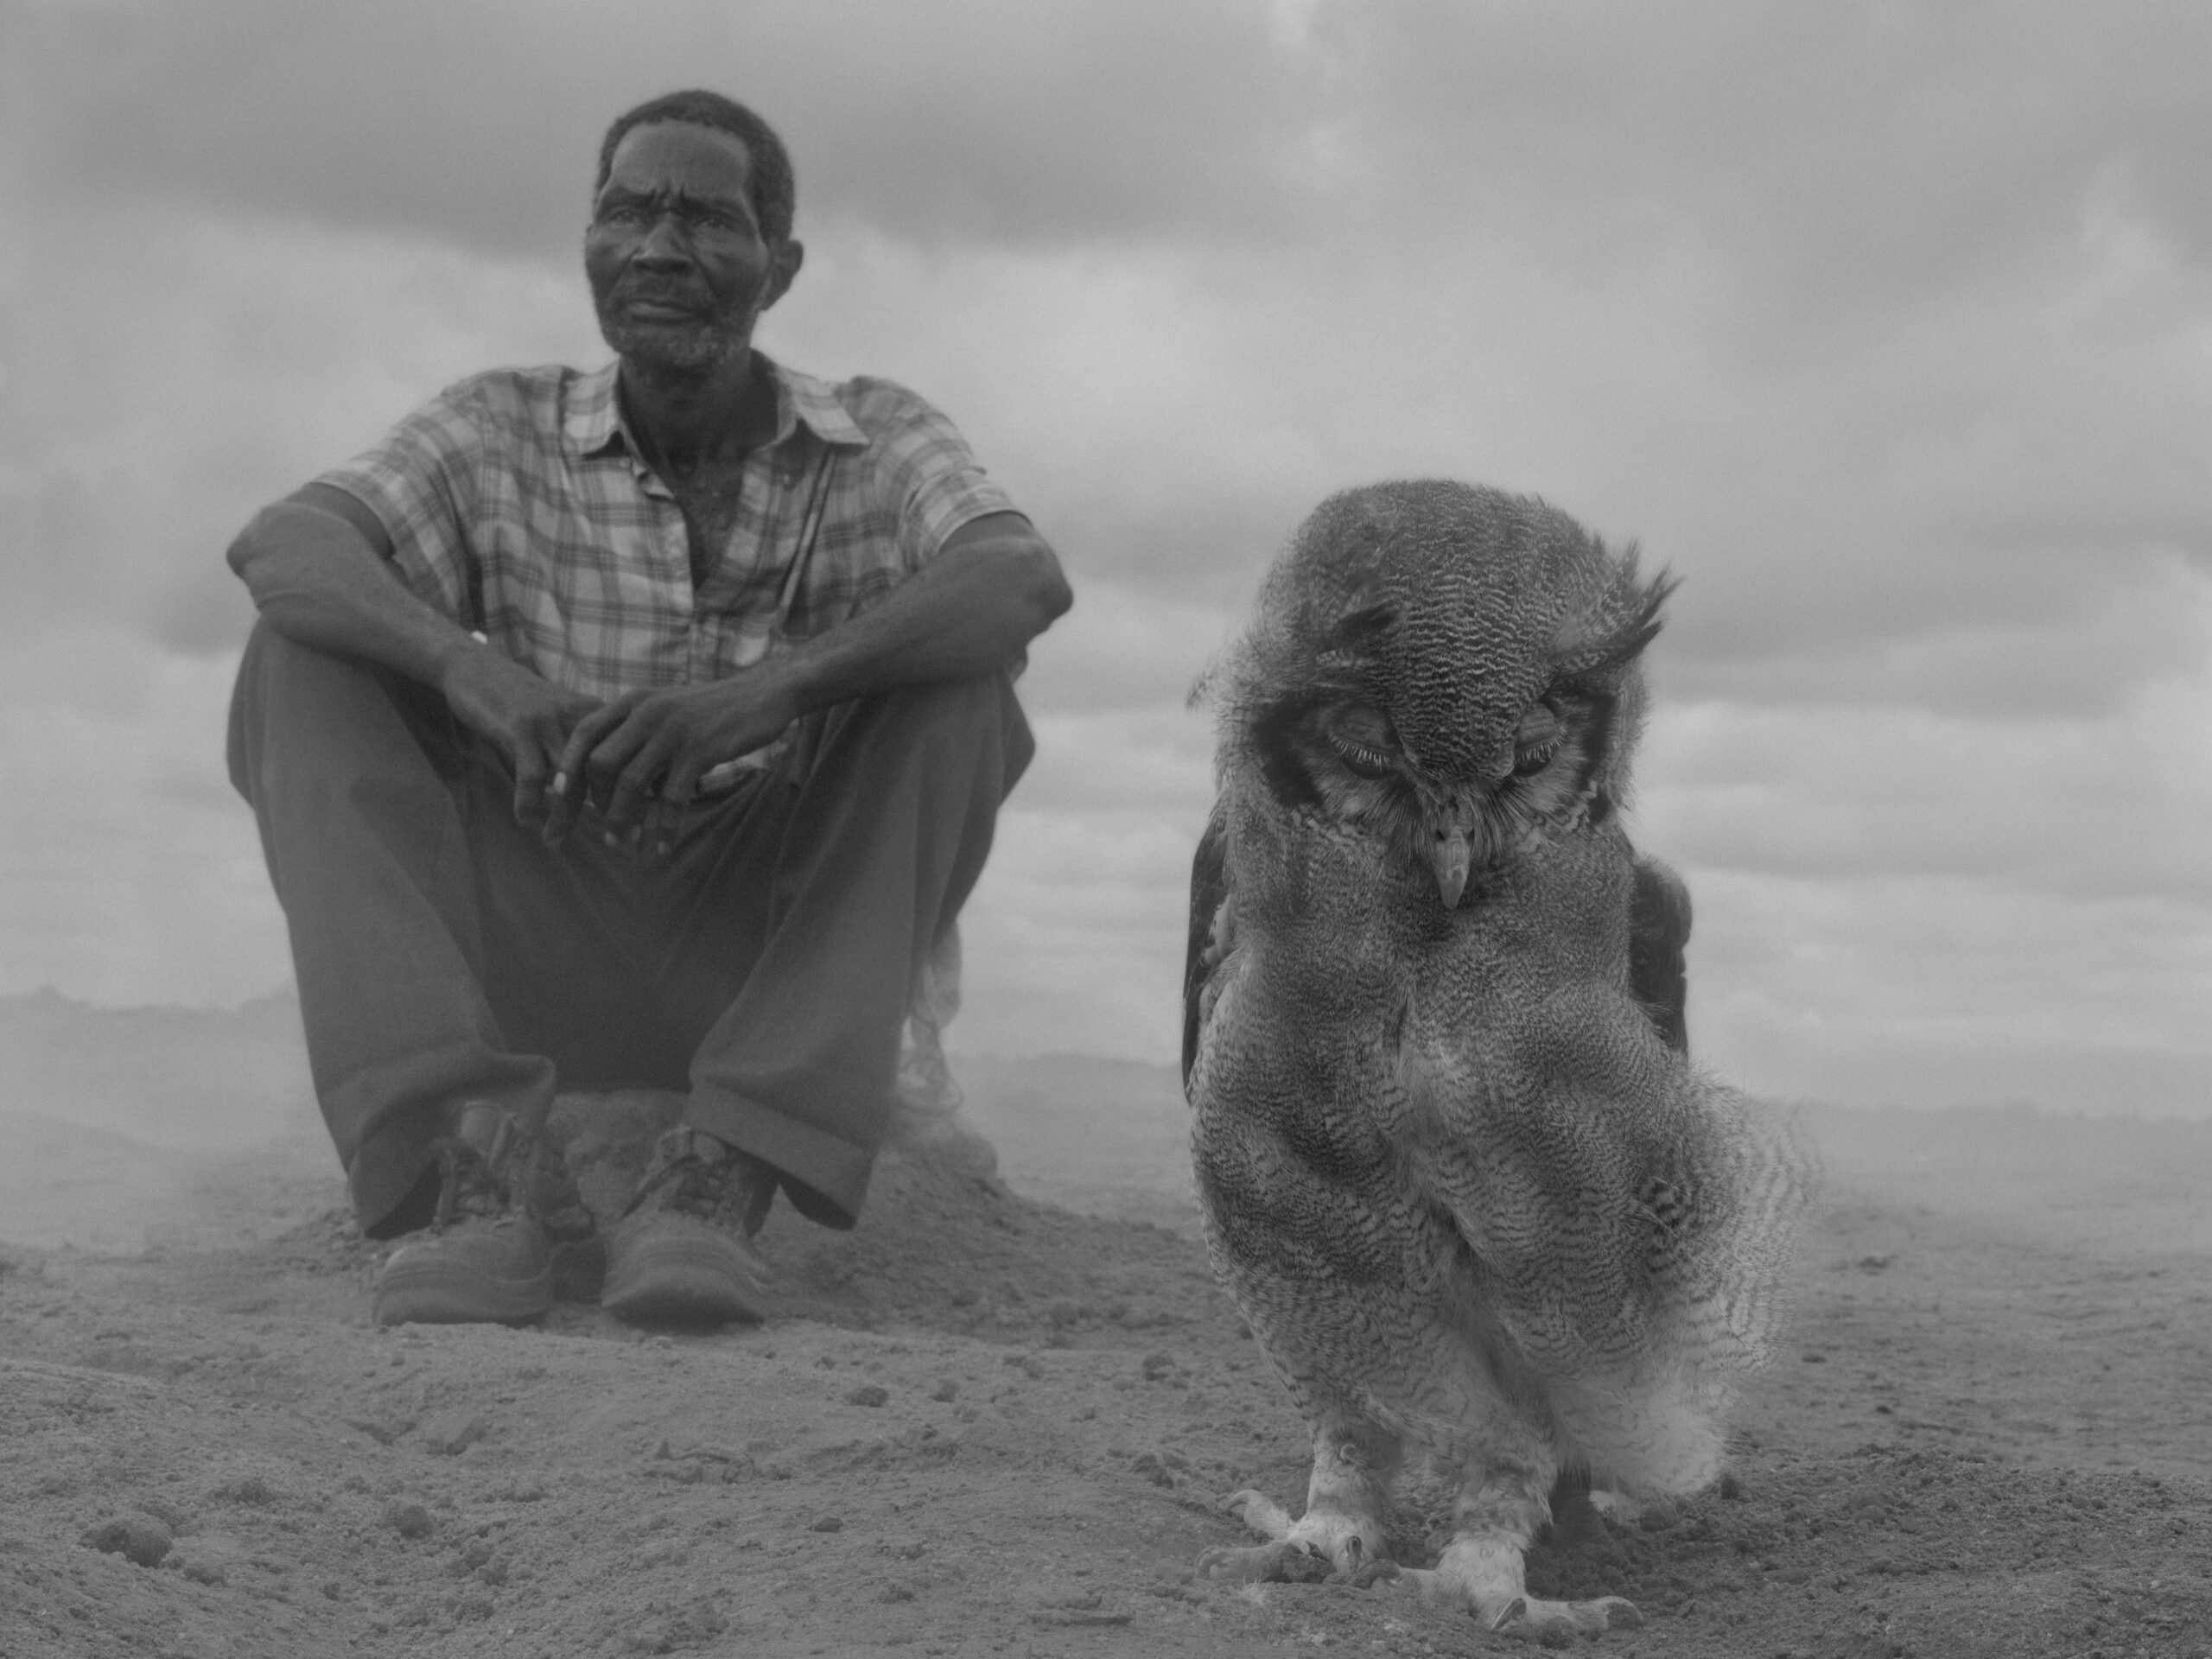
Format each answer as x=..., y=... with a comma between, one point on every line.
x=682, y=155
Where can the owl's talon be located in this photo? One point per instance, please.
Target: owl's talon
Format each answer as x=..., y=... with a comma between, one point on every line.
x=1554, y=1623
x=1370, y=1573
x=1621, y=1614
x=1283, y=1563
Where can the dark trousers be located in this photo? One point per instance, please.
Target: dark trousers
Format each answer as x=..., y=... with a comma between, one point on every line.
x=764, y=965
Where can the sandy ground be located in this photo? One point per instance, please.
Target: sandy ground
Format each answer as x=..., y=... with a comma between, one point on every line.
x=998, y=1419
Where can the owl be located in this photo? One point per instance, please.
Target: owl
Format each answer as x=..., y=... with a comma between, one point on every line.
x=1456, y=1168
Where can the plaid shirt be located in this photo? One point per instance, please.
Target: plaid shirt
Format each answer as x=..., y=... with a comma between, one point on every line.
x=518, y=505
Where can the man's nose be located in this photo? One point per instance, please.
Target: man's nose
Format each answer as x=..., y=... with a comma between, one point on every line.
x=663, y=244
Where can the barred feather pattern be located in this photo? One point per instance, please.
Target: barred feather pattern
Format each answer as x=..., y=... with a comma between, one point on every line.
x=1460, y=1187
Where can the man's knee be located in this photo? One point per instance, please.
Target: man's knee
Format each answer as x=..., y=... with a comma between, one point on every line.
x=296, y=699
x=980, y=718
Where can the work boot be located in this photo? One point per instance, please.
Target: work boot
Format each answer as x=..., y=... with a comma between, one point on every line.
x=510, y=1231
x=681, y=1254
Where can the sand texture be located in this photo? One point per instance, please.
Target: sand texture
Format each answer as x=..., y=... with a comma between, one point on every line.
x=988, y=1424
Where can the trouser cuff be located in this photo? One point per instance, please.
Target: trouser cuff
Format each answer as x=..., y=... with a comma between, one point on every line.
x=825, y=1178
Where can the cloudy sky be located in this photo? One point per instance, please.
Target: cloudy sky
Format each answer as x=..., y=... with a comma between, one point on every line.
x=1888, y=327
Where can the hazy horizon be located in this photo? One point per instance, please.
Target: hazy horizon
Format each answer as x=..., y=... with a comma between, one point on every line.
x=1888, y=329
x=263, y=1033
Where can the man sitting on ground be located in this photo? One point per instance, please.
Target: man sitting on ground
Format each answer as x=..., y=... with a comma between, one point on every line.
x=639, y=726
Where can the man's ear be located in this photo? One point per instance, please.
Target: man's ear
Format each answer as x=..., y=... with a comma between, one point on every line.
x=783, y=266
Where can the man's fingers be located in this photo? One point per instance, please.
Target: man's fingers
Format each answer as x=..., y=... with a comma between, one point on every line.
x=530, y=784
x=674, y=795
x=571, y=781
x=585, y=737
x=633, y=785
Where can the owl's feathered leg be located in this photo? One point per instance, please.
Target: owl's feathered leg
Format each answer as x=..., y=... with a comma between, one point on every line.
x=1501, y=1505
x=1354, y=1463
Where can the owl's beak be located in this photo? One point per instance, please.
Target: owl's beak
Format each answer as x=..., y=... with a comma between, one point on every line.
x=1449, y=858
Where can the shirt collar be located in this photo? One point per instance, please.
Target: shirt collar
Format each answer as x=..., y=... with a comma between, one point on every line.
x=595, y=423
x=803, y=397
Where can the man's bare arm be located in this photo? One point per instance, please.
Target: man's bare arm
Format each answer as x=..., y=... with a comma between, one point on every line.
x=992, y=588
x=318, y=564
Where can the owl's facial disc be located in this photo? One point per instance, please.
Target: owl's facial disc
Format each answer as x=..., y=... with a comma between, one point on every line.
x=1344, y=756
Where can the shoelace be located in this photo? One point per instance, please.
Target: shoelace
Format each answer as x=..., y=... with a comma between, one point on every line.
x=715, y=1183
x=470, y=1184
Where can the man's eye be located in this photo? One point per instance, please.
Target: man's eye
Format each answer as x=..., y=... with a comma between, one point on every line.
x=623, y=213
x=708, y=223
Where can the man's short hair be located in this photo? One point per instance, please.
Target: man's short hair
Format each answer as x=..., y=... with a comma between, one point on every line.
x=774, y=193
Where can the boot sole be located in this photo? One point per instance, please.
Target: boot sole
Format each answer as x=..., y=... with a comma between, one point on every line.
x=436, y=1293
x=682, y=1273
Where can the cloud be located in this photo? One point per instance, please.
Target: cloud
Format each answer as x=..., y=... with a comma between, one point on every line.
x=2076, y=808
x=1023, y=121
x=1846, y=161
x=2147, y=621
x=1853, y=153
x=151, y=404
x=1888, y=329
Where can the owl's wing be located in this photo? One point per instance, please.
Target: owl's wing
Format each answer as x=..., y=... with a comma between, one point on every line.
x=1659, y=926
x=1209, y=892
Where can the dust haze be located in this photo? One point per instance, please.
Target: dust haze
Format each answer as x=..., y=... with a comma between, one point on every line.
x=1003, y=1413
x=127, y=1127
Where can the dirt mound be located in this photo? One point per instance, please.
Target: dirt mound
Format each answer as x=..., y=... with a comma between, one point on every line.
x=943, y=1245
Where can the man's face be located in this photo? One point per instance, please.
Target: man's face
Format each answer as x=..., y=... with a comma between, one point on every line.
x=679, y=268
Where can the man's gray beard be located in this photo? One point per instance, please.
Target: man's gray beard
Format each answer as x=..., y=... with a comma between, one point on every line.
x=689, y=350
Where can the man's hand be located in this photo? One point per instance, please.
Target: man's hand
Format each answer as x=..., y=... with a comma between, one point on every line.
x=527, y=718
x=642, y=755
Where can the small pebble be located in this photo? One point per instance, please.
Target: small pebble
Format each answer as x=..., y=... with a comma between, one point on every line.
x=828, y=1524
x=146, y=1543
x=449, y=1434
x=407, y=1518
x=869, y=1395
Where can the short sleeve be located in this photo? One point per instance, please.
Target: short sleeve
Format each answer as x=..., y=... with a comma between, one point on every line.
x=422, y=483
x=935, y=480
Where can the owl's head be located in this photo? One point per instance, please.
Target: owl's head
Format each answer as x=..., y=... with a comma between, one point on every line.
x=1450, y=669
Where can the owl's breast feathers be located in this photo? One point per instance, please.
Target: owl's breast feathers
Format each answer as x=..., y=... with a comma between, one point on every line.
x=1477, y=1117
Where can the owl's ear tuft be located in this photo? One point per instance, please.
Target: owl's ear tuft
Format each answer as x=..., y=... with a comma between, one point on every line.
x=1596, y=643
